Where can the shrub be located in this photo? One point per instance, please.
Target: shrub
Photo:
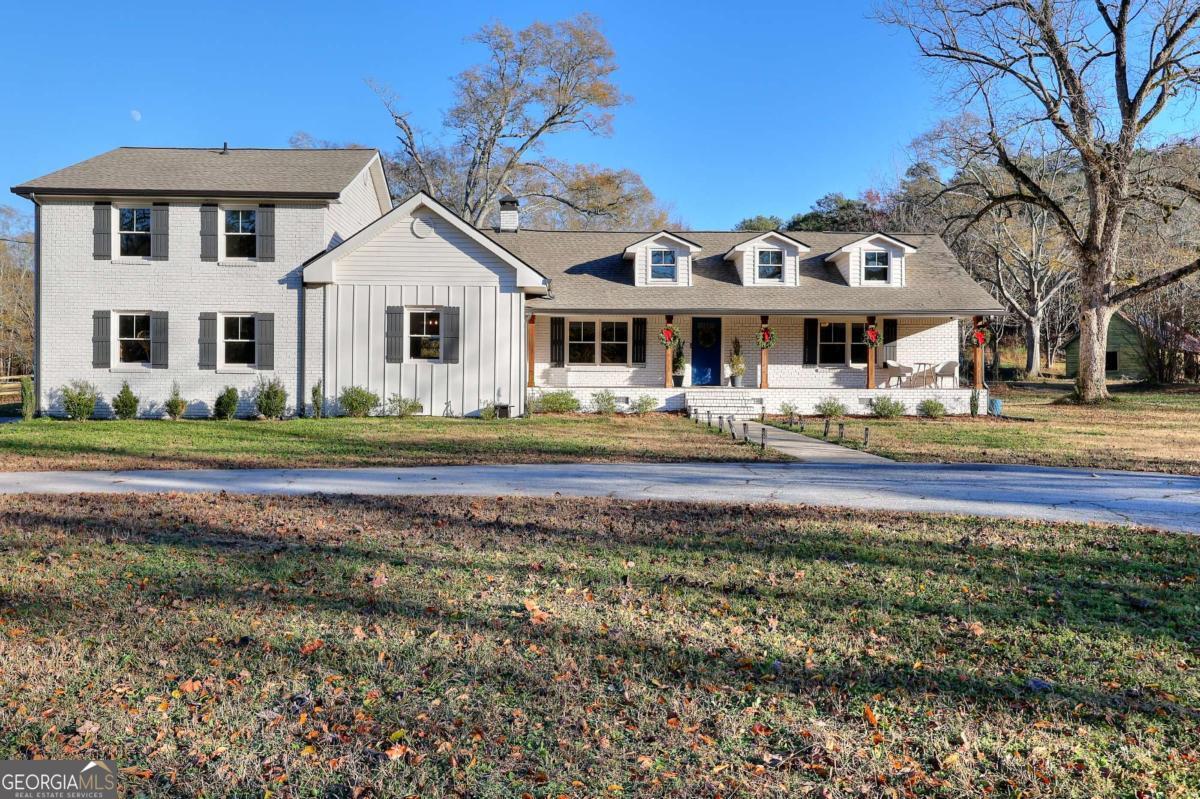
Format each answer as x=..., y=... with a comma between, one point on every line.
x=79, y=399
x=974, y=402
x=227, y=403
x=644, y=404
x=830, y=407
x=604, y=403
x=488, y=412
x=175, y=404
x=318, y=399
x=28, y=399
x=788, y=409
x=932, y=408
x=125, y=404
x=356, y=401
x=403, y=406
x=555, y=402
x=887, y=408
x=271, y=398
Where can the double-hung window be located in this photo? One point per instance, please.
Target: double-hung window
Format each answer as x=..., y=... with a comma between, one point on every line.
x=133, y=230
x=832, y=347
x=133, y=338
x=240, y=233
x=237, y=346
x=859, y=351
x=662, y=265
x=614, y=342
x=581, y=342
x=770, y=265
x=876, y=266
x=424, y=335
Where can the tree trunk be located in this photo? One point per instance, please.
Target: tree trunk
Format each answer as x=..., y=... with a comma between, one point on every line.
x=1095, y=313
x=1033, y=346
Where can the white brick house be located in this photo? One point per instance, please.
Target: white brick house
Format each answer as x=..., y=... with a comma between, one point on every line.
x=214, y=268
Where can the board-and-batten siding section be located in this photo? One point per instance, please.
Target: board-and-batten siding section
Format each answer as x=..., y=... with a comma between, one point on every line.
x=441, y=268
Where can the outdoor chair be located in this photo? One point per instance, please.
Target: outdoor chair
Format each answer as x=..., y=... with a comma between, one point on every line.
x=946, y=369
x=897, y=371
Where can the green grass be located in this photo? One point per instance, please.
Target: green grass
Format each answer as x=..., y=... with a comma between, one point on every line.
x=385, y=441
x=1139, y=430
x=219, y=645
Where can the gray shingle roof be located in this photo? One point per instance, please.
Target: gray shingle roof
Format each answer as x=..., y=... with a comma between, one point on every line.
x=588, y=273
x=317, y=174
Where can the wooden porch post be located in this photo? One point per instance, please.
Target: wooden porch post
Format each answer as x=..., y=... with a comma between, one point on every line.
x=531, y=340
x=764, y=382
x=871, y=353
x=977, y=362
x=668, y=356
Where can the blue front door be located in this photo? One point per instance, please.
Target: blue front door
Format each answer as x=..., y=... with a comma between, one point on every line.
x=706, y=351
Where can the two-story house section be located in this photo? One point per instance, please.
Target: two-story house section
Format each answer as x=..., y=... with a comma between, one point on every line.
x=171, y=265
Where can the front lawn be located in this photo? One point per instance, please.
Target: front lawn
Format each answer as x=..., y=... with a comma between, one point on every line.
x=383, y=441
x=1139, y=430
x=254, y=646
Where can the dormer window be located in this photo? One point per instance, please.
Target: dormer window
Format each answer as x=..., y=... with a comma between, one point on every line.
x=662, y=265
x=770, y=265
x=876, y=267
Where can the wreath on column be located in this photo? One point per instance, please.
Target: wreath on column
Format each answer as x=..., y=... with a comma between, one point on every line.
x=980, y=336
x=766, y=338
x=669, y=337
x=871, y=337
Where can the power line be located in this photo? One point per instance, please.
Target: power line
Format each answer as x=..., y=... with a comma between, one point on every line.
x=17, y=241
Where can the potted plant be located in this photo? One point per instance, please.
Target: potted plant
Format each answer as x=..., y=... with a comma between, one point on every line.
x=677, y=365
x=737, y=365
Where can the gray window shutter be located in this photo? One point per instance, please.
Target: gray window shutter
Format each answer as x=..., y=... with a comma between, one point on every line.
x=159, y=228
x=158, y=339
x=208, y=233
x=264, y=227
x=264, y=341
x=449, y=323
x=101, y=339
x=102, y=231
x=393, y=334
x=208, y=341
x=639, y=339
x=558, y=340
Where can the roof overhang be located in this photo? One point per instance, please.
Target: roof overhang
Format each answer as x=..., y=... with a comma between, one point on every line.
x=320, y=268
x=692, y=247
x=750, y=244
x=903, y=245
x=27, y=191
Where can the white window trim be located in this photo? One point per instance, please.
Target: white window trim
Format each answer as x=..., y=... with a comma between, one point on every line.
x=115, y=226
x=114, y=348
x=874, y=281
x=650, y=278
x=221, y=234
x=770, y=281
x=235, y=368
x=409, y=310
x=595, y=362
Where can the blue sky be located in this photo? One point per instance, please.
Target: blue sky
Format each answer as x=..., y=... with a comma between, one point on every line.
x=737, y=108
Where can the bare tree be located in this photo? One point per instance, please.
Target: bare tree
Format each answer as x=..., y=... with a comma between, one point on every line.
x=537, y=82
x=1090, y=77
x=16, y=293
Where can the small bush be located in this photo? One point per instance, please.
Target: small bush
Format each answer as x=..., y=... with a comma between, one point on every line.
x=227, y=403
x=175, y=404
x=403, y=406
x=932, y=408
x=974, y=402
x=125, y=404
x=356, y=401
x=488, y=412
x=79, y=399
x=887, y=408
x=644, y=404
x=555, y=402
x=317, y=395
x=830, y=407
x=28, y=399
x=788, y=409
x=271, y=398
x=604, y=403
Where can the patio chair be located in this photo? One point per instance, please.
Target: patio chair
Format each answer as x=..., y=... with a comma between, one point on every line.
x=946, y=369
x=897, y=371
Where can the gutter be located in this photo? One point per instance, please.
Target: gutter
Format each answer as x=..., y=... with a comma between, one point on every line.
x=29, y=191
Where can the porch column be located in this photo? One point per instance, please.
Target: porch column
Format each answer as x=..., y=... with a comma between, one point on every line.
x=870, y=357
x=977, y=361
x=530, y=345
x=764, y=382
x=668, y=356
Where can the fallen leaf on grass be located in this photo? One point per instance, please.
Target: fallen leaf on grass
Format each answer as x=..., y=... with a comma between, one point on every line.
x=870, y=716
x=308, y=647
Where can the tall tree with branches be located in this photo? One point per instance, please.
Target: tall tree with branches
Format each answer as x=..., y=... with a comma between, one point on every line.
x=544, y=80
x=1090, y=78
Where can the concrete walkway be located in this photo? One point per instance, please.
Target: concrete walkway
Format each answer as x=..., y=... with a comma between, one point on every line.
x=1154, y=500
x=804, y=448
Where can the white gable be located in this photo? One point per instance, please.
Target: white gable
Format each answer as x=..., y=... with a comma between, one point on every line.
x=850, y=259
x=641, y=253
x=745, y=257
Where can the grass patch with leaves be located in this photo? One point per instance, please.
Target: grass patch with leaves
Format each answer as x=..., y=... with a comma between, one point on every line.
x=377, y=441
x=316, y=646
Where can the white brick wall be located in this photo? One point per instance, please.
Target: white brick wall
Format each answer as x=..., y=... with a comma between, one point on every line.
x=74, y=285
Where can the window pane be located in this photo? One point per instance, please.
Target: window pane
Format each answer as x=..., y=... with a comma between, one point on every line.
x=833, y=353
x=134, y=350
x=581, y=352
x=770, y=272
x=614, y=331
x=231, y=327
x=424, y=347
x=141, y=325
x=583, y=331
x=240, y=246
x=833, y=332
x=248, y=219
x=877, y=259
x=231, y=221
x=858, y=350
x=875, y=273
x=241, y=352
x=425, y=323
x=770, y=257
x=662, y=272
x=613, y=352
x=125, y=326
x=126, y=219
x=662, y=257
x=135, y=244
x=141, y=220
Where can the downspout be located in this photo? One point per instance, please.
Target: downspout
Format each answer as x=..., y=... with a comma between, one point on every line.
x=37, y=304
x=300, y=321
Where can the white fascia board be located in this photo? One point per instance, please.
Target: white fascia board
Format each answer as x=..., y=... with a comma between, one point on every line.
x=754, y=242
x=691, y=246
x=903, y=245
